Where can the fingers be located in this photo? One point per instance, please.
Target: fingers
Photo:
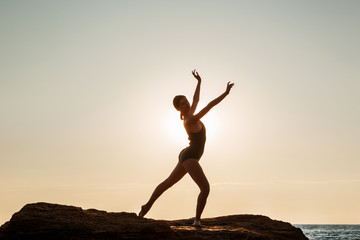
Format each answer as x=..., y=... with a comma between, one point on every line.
x=196, y=74
x=228, y=87
x=230, y=84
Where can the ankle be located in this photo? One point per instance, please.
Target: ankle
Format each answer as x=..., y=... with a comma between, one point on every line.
x=197, y=223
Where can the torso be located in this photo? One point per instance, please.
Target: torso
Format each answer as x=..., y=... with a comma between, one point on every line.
x=191, y=126
x=197, y=136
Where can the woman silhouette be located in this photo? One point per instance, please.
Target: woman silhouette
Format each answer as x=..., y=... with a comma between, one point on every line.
x=190, y=156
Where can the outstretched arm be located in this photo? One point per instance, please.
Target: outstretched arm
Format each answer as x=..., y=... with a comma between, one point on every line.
x=197, y=92
x=214, y=102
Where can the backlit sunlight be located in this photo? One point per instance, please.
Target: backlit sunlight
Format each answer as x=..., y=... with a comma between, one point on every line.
x=175, y=130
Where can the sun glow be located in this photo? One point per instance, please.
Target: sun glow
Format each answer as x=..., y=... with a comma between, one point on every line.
x=174, y=128
x=211, y=123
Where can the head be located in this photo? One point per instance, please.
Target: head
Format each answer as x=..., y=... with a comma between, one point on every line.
x=181, y=104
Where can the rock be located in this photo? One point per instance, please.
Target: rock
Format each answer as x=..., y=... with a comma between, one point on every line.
x=53, y=221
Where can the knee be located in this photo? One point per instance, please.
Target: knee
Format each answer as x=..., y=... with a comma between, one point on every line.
x=205, y=189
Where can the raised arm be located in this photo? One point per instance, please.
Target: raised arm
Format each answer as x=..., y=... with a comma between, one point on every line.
x=197, y=92
x=214, y=102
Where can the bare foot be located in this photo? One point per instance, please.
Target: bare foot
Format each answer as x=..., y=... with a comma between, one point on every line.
x=197, y=223
x=144, y=210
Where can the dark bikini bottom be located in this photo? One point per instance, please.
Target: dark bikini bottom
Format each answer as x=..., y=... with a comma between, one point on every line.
x=190, y=152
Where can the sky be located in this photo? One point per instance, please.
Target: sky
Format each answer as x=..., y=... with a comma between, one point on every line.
x=86, y=91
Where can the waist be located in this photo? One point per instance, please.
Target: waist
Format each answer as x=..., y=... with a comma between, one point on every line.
x=197, y=144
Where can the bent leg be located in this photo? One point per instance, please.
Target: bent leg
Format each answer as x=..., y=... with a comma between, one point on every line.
x=178, y=172
x=197, y=174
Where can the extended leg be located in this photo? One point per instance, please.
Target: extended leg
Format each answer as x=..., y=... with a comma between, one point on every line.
x=174, y=177
x=194, y=169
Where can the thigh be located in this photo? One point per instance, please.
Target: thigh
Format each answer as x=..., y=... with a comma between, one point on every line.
x=178, y=172
x=194, y=169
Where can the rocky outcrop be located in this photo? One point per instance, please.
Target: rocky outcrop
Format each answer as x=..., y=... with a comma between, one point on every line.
x=53, y=221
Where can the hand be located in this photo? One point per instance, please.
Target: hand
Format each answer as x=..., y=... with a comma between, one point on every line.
x=228, y=87
x=196, y=75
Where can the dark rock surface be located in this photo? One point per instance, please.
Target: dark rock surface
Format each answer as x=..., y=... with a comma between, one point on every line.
x=53, y=221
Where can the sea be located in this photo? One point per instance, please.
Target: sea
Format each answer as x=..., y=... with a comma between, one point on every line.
x=333, y=232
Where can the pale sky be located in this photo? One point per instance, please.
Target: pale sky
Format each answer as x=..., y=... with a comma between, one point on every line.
x=86, y=91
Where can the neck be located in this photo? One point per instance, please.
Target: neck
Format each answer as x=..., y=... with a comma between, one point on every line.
x=185, y=114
